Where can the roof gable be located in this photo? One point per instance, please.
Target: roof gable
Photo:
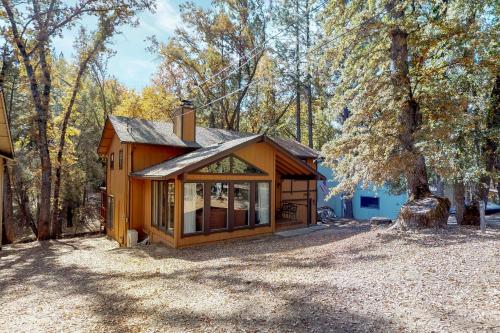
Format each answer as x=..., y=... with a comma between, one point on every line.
x=195, y=159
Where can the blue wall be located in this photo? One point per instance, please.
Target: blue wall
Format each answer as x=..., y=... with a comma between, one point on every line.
x=389, y=204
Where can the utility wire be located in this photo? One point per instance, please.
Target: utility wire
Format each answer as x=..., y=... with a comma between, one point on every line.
x=306, y=54
x=314, y=49
x=255, y=51
x=227, y=95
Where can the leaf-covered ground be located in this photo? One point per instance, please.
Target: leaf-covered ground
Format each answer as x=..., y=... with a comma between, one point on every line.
x=344, y=278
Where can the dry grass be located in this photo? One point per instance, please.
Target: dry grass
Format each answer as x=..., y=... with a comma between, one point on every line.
x=346, y=278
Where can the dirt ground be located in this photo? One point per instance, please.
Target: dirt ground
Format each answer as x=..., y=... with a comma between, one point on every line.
x=344, y=278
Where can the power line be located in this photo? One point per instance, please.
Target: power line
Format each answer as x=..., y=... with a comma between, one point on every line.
x=255, y=49
x=306, y=54
x=227, y=95
x=316, y=48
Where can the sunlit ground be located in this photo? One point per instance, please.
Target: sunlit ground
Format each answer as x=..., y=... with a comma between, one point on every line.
x=344, y=278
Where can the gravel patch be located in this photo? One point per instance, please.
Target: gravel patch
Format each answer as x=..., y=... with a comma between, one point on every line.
x=344, y=278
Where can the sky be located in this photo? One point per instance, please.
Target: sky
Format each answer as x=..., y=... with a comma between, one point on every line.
x=132, y=65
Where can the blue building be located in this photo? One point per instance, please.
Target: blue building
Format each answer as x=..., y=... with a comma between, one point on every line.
x=366, y=203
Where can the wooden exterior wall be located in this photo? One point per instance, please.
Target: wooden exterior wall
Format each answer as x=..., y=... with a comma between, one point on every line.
x=116, y=186
x=144, y=156
x=132, y=197
x=2, y=167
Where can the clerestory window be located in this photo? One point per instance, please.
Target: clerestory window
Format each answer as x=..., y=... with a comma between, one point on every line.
x=230, y=165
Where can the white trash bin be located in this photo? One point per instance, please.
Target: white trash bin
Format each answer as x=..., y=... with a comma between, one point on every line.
x=132, y=237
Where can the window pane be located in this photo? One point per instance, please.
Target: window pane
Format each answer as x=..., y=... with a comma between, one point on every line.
x=111, y=212
x=229, y=165
x=154, y=204
x=218, y=205
x=241, y=167
x=222, y=166
x=171, y=203
x=262, y=200
x=241, y=204
x=193, y=207
x=112, y=161
x=370, y=202
x=163, y=203
x=120, y=159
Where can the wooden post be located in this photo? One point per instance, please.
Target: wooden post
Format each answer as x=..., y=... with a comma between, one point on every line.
x=482, y=216
x=308, y=206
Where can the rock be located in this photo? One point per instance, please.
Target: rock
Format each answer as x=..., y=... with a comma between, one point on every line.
x=380, y=220
x=428, y=212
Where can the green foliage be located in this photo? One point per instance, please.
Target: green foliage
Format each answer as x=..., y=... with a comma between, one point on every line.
x=452, y=71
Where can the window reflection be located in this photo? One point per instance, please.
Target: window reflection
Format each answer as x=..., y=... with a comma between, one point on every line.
x=193, y=207
x=241, y=193
x=218, y=205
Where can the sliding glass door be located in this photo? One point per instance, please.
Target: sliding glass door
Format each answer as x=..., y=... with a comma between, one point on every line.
x=262, y=203
x=193, y=217
x=213, y=206
x=162, y=205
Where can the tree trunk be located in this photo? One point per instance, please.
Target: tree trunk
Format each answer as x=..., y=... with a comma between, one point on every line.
x=439, y=186
x=490, y=149
x=56, y=214
x=348, y=209
x=459, y=194
x=84, y=195
x=309, y=85
x=298, y=133
x=472, y=214
x=23, y=204
x=82, y=67
x=410, y=116
x=423, y=208
x=211, y=120
x=8, y=209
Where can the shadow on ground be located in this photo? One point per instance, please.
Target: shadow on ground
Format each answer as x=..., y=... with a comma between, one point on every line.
x=117, y=309
x=451, y=235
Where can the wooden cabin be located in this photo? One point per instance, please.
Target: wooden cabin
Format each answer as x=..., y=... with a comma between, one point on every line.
x=181, y=184
x=6, y=153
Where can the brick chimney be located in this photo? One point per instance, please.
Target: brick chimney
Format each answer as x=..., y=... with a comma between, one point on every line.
x=185, y=121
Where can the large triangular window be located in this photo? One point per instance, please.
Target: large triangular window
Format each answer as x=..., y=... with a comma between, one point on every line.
x=231, y=165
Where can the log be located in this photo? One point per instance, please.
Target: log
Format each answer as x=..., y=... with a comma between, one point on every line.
x=428, y=212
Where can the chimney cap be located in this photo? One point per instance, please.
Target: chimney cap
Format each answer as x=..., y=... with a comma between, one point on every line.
x=186, y=102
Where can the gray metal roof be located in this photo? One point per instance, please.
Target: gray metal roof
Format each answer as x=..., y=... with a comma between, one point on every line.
x=135, y=130
x=193, y=160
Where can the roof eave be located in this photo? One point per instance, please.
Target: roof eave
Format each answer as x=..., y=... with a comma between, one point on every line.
x=319, y=176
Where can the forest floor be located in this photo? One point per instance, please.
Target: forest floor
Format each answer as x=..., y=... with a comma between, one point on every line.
x=347, y=277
